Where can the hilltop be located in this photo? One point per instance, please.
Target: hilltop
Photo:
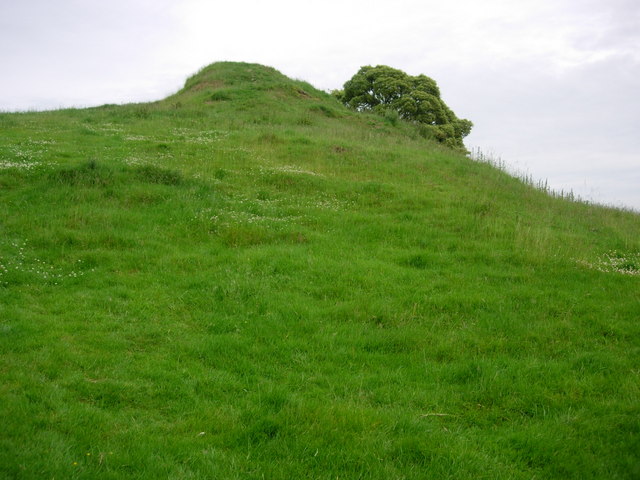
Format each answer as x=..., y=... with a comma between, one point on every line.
x=249, y=280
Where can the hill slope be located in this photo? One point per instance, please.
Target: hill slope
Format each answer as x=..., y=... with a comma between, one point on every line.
x=247, y=280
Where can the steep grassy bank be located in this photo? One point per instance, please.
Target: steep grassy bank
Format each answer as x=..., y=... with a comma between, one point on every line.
x=247, y=280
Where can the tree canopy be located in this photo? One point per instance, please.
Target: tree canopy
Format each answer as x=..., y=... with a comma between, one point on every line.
x=414, y=98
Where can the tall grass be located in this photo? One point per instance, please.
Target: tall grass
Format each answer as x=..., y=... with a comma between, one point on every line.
x=248, y=281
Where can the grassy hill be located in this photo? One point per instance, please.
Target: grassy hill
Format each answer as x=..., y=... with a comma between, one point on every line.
x=247, y=280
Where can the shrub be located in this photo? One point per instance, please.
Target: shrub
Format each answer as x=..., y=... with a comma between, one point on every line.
x=383, y=89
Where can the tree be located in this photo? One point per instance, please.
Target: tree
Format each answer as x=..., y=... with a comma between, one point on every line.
x=415, y=99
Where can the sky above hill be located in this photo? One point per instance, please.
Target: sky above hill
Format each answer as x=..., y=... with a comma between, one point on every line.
x=551, y=85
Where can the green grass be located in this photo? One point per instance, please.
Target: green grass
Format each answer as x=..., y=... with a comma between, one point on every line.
x=247, y=280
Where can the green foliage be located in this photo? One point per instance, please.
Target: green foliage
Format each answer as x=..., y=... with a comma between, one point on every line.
x=416, y=99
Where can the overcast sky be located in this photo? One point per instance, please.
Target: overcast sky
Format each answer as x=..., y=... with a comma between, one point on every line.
x=552, y=86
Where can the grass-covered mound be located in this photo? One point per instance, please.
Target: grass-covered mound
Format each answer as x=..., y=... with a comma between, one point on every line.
x=248, y=280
